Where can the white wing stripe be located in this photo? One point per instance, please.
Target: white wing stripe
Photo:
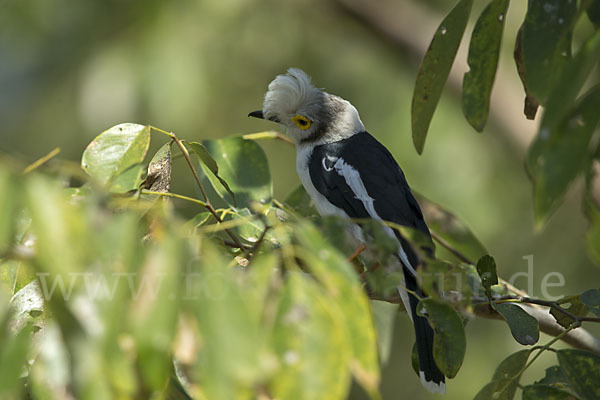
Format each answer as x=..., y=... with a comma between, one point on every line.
x=353, y=179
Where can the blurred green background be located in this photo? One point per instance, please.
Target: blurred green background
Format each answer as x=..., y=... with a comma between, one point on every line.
x=70, y=69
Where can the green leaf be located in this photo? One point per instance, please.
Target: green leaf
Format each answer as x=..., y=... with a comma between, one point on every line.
x=484, y=52
x=569, y=85
x=435, y=68
x=384, y=315
x=524, y=328
x=572, y=304
x=243, y=165
x=546, y=43
x=344, y=288
x=591, y=299
x=8, y=199
x=130, y=179
x=531, y=103
x=116, y=150
x=593, y=13
x=558, y=156
x=582, y=368
x=155, y=301
x=299, y=201
x=592, y=236
x=486, y=268
x=449, y=341
x=13, y=357
x=231, y=358
x=544, y=392
x=554, y=376
x=311, y=341
x=451, y=229
x=506, y=378
x=211, y=164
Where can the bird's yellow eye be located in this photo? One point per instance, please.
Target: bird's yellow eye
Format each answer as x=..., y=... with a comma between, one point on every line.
x=302, y=122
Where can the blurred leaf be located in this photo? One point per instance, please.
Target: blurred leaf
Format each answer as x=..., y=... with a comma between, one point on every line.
x=582, y=368
x=299, y=201
x=531, y=103
x=546, y=43
x=591, y=299
x=451, y=229
x=592, y=236
x=506, y=378
x=575, y=307
x=243, y=165
x=343, y=286
x=449, y=341
x=557, y=159
x=130, y=179
x=311, y=340
x=435, y=68
x=154, y=309
x=484, y=52
x=524, y=328
x=486, y=268
x=28, y=306
x=8, y=200
x=13, y=357
x=384, y=315
x=593, y=13
x=211, y=164
x=159, y=171
x=115, y=150
x=231, y=357
x=544, y=392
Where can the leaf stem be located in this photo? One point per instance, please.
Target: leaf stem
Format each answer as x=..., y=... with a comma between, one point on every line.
x=34, y=165
x=174, y=195
x=207, y=204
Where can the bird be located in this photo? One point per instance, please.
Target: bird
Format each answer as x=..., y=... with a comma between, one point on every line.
x=349, y=173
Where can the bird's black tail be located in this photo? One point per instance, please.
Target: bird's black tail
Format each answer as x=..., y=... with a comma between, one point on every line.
x=431, y=376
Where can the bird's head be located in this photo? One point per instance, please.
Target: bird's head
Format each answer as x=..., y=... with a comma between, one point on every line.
x=309, y=114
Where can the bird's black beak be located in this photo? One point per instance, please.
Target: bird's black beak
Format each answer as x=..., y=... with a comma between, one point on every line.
x=257, y=114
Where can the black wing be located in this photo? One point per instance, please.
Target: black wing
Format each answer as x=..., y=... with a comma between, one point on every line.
x=381, y=176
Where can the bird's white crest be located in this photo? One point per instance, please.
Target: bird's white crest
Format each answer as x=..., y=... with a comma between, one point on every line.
x=332, y=118
x=289, y=94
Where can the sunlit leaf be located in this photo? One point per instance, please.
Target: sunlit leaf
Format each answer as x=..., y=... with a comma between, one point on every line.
x=449, y=341
x=546, y=43
x=343, y=286
x=524, y=328
x=484, y=52
x=314, y=365
x=130, y=179
x=13, y=353
x=435, y=68
x=582, y=368
x=115, y=150
x=231, y=359
x=243, y=165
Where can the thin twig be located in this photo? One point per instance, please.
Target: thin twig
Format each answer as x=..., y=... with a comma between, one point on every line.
x=174, y=195
x=268, y=135
x=34, y=165
x=450, y=248
x=207, y=205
